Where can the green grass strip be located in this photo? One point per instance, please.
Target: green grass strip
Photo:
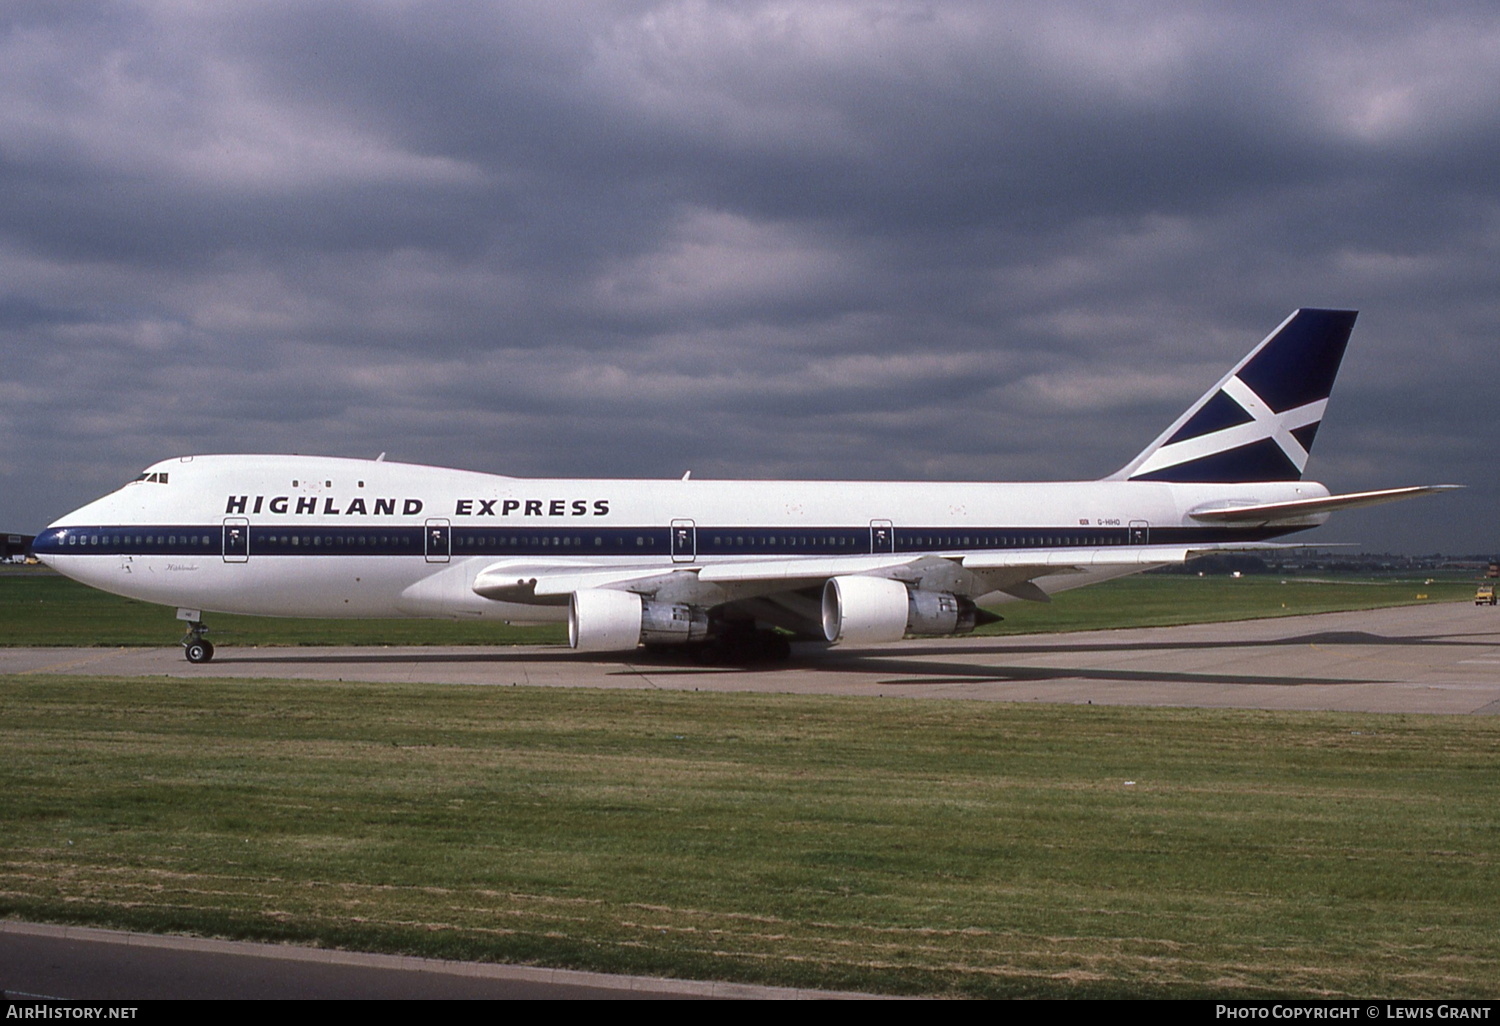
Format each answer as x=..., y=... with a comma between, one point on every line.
x=924, y=847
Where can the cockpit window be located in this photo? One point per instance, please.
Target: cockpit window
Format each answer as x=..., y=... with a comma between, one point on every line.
x=159, y=478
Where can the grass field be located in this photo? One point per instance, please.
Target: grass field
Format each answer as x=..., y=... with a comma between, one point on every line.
x=904, y=846
x=43, y=608
x=922, y=847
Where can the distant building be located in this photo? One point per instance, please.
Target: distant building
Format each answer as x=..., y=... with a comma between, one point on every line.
x=13, y=547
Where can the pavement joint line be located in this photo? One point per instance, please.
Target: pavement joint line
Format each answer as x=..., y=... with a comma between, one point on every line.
x=86, y=660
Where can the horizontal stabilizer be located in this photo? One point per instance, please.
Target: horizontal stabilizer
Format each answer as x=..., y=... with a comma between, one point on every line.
x=1271, y=512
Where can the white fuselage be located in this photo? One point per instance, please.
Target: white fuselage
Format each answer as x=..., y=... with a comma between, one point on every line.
x=330, y=537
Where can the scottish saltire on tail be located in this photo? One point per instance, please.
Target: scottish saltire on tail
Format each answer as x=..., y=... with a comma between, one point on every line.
x=729, y=570
x=1259, y=421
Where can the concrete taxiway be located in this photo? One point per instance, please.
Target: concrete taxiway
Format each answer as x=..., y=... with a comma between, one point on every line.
x=43, y=962
x=1411, y=659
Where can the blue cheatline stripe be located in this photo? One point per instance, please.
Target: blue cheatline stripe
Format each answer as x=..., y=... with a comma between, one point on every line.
x=208, y=540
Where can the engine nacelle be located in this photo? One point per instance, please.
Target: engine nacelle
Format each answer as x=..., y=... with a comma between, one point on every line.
x=863, y=610
x=600, y=620
x=869, y=610
x=672, y=623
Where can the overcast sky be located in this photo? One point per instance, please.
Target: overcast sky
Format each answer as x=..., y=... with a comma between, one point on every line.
x=878, y=239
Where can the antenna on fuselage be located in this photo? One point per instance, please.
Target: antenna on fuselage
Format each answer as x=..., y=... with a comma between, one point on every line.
x=380, y=458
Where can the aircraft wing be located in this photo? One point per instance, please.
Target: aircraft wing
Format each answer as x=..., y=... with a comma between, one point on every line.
x=548, y=583
x=723, y=582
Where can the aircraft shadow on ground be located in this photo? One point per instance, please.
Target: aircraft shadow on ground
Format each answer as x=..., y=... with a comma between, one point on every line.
x=1482, y=639
x=905, y=671
x=934, y=673
x=920, y=664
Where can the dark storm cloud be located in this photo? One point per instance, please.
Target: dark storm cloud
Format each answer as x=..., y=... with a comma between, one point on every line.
x=932, y=240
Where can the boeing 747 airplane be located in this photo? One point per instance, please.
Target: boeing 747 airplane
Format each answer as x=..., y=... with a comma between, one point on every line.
x=733, y=569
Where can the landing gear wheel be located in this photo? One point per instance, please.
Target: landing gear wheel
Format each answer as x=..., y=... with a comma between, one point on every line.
x=198, y=651
x=195, y=646
x=707, y=653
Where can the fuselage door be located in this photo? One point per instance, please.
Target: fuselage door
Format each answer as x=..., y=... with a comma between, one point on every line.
x=1140, y=532
x=437, y=540
x=684, y=541
x=236, y=540
x=882, y=536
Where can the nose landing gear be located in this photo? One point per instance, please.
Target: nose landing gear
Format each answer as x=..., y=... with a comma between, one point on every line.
x=195, y=646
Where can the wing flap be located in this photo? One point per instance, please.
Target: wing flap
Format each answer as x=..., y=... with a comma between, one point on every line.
x=1028, y=565
x=798, y=569
x=1048, y=561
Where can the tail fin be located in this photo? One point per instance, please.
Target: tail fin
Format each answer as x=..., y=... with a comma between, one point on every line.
x=1258, y=422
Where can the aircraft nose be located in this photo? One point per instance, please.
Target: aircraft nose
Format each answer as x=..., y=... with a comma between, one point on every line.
x=50, y=542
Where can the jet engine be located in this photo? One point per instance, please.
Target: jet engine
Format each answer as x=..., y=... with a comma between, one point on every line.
x=869, y=610
x=940, y=612
x=600, y=620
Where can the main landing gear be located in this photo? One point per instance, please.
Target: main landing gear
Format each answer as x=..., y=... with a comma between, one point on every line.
x=195, y=646
x=741, y=648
